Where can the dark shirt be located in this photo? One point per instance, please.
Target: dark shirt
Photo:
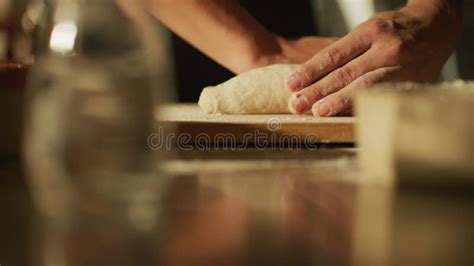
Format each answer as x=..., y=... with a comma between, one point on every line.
x=195, y=71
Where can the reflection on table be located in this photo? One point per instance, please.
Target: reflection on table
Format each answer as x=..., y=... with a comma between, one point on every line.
x=260, y=208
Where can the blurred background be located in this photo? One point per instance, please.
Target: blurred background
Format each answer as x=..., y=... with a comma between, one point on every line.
x=93, y=107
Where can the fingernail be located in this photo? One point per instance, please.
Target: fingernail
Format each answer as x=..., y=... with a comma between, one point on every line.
x=298, y=104
x=322, y=109
x=294, y=82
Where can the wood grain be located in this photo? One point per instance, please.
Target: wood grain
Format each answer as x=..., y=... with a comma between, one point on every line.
x=284, y=128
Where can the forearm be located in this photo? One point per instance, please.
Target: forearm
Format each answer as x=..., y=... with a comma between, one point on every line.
x=439, y=21
x=452, y=6
x=446, y=13
x=221, y=29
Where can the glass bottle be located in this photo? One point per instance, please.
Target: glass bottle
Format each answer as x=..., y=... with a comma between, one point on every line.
x=89, y=112
x=90, y=107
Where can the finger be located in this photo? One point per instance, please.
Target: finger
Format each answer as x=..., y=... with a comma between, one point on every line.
x=330, y=58
x=342, y=99
x=302, y=101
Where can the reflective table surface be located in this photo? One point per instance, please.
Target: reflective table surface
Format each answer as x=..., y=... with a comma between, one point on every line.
x=245, y=208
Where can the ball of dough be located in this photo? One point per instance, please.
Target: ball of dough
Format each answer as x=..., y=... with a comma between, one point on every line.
x=259, y=91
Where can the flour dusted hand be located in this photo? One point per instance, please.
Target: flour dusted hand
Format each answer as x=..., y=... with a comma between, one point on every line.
x=259, y=91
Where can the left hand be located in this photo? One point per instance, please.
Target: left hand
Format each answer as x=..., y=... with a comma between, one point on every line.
x=411, y=44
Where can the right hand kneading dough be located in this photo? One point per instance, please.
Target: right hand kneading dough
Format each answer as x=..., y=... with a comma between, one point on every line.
x=259, y=91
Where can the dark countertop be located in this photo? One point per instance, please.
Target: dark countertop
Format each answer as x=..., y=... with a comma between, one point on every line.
x=244, y=208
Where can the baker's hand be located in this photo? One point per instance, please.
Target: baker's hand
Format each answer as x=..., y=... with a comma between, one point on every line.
x=411, y=44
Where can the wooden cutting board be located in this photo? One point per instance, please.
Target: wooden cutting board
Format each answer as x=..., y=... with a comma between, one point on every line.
x=190, y=120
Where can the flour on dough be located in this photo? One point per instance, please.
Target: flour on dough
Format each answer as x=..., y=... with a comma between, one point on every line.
x=259, y=91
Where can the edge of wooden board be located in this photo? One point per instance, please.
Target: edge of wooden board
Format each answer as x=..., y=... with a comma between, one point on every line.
x=189, y=120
